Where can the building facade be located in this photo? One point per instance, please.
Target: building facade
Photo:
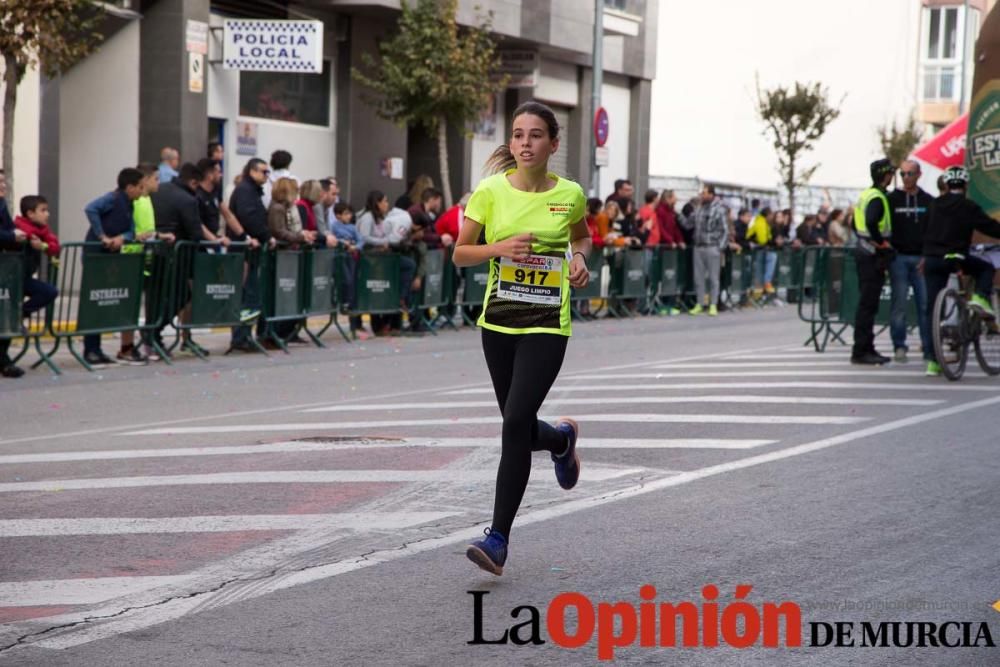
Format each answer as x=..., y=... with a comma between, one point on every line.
x=147, y=87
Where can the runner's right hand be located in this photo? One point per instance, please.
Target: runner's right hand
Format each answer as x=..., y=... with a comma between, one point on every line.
x=516, y=247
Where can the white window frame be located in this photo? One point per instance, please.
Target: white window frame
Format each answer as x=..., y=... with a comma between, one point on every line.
x=935, y=68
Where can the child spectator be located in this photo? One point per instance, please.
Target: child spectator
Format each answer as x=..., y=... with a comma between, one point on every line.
x=30, y=227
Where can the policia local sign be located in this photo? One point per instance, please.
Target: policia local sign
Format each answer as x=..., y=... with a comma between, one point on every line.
x=273, y=46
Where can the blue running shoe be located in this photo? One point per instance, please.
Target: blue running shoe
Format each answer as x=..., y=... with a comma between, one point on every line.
x=489, y=554
x=568, y=465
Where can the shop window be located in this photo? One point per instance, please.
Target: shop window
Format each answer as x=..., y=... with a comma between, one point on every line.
x=287, y=96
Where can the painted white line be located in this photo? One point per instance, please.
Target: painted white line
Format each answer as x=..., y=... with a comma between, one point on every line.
x=305, y=447
x=79, y=591
x=737, y=365
x=689, y=386
x=144, y=618
x=664, y=375
x=359, y=399
x=216, y=524
x=470, y=421
x=444, y=476
x=750, y=399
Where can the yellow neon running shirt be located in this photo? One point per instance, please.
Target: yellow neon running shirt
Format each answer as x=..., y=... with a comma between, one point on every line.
x=505, y=211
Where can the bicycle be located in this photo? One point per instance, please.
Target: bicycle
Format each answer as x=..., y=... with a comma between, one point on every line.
x=956, y=326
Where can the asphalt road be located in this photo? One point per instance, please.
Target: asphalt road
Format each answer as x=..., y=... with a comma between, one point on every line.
x=312, y=509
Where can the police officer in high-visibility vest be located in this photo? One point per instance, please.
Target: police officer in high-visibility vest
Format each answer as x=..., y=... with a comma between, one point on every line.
x=873, y=224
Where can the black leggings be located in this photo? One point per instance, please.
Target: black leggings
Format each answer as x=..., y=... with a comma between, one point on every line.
x=523, y=368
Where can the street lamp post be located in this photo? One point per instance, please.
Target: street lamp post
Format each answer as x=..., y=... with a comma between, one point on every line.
x=597, y=66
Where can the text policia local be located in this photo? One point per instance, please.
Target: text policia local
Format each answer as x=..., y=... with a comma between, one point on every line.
x=572, y=620
x=253, y=45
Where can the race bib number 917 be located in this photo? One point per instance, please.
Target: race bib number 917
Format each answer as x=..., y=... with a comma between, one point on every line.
x=537, y=279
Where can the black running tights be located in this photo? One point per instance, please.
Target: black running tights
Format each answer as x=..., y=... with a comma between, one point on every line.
x=523, y=368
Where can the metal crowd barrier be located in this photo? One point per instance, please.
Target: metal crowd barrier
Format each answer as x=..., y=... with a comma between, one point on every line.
x=105, y=292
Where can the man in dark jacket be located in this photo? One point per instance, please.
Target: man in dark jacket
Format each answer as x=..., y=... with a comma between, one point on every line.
x=111, y=224
x=909, y=208
x=247, y=207
x=176, y=206
x=176, y=211
x=952, y=222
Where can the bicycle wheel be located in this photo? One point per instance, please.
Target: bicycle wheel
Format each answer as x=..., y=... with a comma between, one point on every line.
x=950, y=346
x=987, y=346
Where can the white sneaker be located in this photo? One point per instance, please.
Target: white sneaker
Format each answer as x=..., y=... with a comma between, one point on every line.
x=900, y=355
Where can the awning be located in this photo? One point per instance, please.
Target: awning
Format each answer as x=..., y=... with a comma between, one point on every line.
x=947, y=148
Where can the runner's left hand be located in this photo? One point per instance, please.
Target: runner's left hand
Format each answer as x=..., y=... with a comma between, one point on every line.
x=579, y=275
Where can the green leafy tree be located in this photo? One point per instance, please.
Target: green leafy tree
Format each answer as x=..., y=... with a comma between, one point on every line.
x=898, y=142
x=795, y=118
x=51, y=34
x=432, y=74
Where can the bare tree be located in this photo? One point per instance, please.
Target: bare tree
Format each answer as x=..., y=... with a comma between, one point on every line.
x=432, y=73
x=795, y=118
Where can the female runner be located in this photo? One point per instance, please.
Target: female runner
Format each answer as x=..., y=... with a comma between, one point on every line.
x=537, y=243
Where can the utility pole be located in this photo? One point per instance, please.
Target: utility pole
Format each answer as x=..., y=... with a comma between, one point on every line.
x=597, y=67
x=965, y=58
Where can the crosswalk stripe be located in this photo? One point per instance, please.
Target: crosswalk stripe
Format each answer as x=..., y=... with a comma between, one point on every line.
x=748, y=374
x=638, y=400
x=443, y=476
x=216, y=524
x=689, y=386
x=737, y=365
x=459, y=421
x=362, y=443
x=79, y=591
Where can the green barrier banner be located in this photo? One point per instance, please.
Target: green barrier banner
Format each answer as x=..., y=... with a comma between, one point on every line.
x=319, y=268
x=850, y=294
x=835, y=285
x=378, y=284
x=433, y=287
x=287, y=295
x=594, y=265
x=476, y=279
x=629, y=277
x=217, y=289
x=11, y=294
x=740, y=271
x=670, y=272
x=110, y=292
x=783, y=273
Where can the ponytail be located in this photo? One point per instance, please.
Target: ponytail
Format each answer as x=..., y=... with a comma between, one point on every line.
x=500, y=161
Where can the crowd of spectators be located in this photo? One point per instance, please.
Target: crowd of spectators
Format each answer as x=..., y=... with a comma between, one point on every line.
x=269, y=206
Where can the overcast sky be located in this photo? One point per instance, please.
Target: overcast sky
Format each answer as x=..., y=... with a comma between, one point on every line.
x=703, y=107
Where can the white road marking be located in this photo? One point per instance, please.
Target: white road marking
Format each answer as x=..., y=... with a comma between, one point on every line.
x=305, y=447
x=737, y=365
x=688, y=386
x=749, y=399
x=360, y=399
x=172, y=609
x=722, y=373
x=444, y=476
x=216, y=524
x=79, y=591
x=463, y=421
